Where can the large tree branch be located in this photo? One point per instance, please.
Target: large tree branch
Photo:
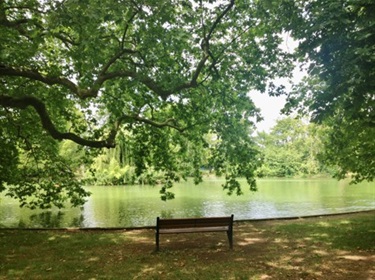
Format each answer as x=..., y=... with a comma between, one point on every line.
x=119, y=54
x=110, y=62
x=49, y=80
x=219, y=18
x=147, y=81
x=47, y=124
x=167, y=123
x=205, y=45
x=14, y=23
x=126, y=29
x=40, y=108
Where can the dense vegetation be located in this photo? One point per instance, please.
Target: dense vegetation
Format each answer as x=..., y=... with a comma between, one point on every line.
x=337, y=45
x=292, y=148
x=134, y=89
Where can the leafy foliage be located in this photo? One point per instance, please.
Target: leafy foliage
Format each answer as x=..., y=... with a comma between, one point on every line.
x=337, y=45
x=162, y=75
x=292, y=148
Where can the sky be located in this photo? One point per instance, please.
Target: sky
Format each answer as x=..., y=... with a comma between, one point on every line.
x=270, y=109
x=270, y=106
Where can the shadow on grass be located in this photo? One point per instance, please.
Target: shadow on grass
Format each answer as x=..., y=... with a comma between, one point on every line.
x=305, y=249
x=326, y=248
x=342, y=234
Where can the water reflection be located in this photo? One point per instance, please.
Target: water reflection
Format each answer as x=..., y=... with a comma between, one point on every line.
x=166, y=214
x=54, y=220
x=135, y=206
x=50, y=220
x=215, y=208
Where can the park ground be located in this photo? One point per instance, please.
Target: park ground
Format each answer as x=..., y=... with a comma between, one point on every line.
x=327, y=247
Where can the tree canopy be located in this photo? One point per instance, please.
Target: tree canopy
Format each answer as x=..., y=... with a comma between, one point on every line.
x=167, y=83
x=161, y=74
x=337, y=46
x=291, y=149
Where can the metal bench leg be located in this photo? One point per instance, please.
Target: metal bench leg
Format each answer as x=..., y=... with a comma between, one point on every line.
x=157, y=241
x=230, y=238
x=157, y=234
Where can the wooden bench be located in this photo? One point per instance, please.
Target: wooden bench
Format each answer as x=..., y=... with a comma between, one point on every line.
x=190, y=225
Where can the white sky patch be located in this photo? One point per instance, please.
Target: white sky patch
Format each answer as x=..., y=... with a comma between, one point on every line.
x=270, y=109
x=271, y=106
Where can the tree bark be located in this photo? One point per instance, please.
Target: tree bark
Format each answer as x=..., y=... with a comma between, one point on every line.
x=40, y=108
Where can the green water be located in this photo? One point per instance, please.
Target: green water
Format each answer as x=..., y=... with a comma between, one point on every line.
x=136, y=206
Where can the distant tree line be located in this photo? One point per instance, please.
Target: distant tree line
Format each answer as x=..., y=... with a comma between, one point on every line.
x=292, y=148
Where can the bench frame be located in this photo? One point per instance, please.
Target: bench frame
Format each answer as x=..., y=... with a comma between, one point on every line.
x=193, y=225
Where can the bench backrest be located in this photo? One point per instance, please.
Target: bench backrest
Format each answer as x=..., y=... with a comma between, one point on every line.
x=194, y=222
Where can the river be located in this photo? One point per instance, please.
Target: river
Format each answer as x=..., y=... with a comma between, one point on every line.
x=138, y=206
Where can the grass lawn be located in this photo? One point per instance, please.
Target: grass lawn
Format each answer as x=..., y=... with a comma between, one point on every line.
x=331, y=247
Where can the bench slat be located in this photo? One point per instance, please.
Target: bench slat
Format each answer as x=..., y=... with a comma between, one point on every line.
x=194, y=229
x=195, y=222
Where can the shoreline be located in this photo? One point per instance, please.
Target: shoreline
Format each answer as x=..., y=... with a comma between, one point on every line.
x=292, y=218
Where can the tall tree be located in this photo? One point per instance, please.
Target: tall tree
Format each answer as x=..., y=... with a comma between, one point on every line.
x=291, y=149
x=166, y=72
x=337, y=45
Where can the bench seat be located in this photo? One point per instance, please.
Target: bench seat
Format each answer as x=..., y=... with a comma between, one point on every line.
x=195, y=225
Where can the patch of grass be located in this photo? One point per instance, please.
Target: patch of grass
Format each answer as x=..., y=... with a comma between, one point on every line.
x=339, y=247
x=350, y=233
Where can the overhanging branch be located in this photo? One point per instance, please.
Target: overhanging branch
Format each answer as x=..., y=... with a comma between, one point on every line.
x=105, y=74
x=49, y=80
x=205, y=45
x=40, y=108
x=167, y=123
